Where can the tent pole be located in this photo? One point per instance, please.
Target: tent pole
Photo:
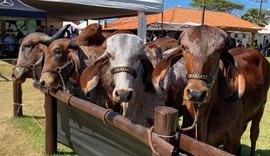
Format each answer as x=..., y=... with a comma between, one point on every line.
x=141, y=31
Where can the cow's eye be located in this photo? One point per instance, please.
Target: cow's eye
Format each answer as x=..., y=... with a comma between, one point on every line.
x=29, y=45
x=57, y=52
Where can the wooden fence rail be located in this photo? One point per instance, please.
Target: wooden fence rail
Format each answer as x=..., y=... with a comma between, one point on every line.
x=164, y=148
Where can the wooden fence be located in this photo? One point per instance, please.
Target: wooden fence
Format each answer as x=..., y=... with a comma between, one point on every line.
x=165, y=125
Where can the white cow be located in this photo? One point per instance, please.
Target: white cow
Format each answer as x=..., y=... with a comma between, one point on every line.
x=130, y=69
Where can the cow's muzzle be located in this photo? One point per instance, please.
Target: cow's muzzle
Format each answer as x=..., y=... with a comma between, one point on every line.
x=196, y=95
x=123, y=95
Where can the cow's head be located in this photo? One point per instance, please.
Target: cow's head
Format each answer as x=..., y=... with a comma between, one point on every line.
x=62, y=58
x=203, y=48
x=91, y=35
x=127, y=63
x=154, y=53
x=31, y=55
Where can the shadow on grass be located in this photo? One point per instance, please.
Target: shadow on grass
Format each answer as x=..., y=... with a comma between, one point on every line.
x=66, y=153
x=259, y=152
x=3, y=78
x=36, y=117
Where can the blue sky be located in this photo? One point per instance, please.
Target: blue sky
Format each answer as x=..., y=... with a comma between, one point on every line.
x=247, y=4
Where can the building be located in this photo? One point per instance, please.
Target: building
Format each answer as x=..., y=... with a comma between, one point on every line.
x=176, y=19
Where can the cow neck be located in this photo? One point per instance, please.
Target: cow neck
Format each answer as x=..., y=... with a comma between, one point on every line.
x=204, y=114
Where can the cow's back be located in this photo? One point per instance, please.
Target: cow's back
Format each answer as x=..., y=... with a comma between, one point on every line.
x=256, y=71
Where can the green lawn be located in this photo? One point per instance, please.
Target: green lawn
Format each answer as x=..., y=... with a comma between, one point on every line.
x=33, y=123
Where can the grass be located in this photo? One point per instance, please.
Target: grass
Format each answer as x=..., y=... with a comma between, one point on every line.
x=27, y=132
x=29, y=136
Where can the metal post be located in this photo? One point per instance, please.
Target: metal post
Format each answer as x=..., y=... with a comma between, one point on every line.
x=203, y=12
x=50, y=105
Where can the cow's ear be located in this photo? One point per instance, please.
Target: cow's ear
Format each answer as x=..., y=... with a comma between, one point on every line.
x=147, y=78
x=74, y=56
x=162, y=67
x=236, y=82
x=90, y=78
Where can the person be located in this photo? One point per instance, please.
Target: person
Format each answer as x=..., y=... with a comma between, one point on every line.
x=52, y=31
x=41, y=29
x=260, y=47
x=154, y=37
x=19, y=35
x=11, y=48
x=265, y=47
x=239, y=44
x=256, y=45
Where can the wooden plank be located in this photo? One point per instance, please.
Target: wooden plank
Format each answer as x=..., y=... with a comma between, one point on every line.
x=196, y=147
x=116, y=120
x=50, y=105
x=165, y=122
x=17, y=97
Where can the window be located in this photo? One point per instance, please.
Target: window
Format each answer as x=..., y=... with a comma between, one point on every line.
x=244, y=35
x=235, y=35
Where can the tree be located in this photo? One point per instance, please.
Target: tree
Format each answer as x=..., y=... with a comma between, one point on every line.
x=218, y=5
x=256, y=16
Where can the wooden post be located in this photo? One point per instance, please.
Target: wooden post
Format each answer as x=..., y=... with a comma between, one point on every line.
x=17, y=97
x=165, y=122
x=50, y=105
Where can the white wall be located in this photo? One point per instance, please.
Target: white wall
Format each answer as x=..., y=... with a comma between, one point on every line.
x=245, y=37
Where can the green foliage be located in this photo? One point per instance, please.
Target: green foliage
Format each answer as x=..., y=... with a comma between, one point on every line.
x=254, y=15
x=218, y=5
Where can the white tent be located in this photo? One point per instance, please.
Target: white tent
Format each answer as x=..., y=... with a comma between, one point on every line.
x=95, y=9
x=69, y=10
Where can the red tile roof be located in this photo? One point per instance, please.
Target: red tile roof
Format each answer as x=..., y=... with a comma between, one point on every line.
x=184, y=15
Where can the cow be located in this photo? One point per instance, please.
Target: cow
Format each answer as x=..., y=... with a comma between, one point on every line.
x=69, y=56
x=256, y=71
x=214, y=86
x=126, y=64
x=31, y=53
x=155, y=49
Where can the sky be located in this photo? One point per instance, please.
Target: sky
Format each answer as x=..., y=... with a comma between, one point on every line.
x=247, y=4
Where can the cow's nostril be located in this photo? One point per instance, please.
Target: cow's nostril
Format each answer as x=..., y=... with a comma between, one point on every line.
x=129, y=95
x=124, y=95
x=196, y=95
x=116, y=93
x=42, y=83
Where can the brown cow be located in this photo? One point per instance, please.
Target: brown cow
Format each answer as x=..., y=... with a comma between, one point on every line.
x=212, y=96
x=256, y=71
x=30, y=60
x=155, y=49
x=67, y=55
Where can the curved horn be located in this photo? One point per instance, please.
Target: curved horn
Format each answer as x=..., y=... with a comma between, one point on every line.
x=59, y=34
x=73, y=45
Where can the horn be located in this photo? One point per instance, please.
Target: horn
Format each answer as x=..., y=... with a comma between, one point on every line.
x=59, y=34
x=73, y=45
